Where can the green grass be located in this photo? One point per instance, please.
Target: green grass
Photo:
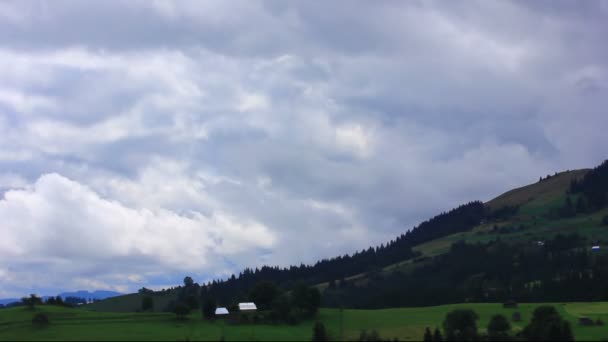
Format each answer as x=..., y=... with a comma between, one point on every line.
x=403, y=323
x=131, y=302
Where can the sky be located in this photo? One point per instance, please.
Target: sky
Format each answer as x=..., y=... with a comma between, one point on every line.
x=145, y=140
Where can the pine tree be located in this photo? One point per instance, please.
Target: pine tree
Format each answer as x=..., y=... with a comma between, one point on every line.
x=428, y=337
x=437, y=336
x=567, y=332
x=319, y=333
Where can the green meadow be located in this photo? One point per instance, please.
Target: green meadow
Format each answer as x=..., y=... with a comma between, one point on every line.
x=406, y=324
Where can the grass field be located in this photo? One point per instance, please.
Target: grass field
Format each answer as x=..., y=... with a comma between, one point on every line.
x=403, y=323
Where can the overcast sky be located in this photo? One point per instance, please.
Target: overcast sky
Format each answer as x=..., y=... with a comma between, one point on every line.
x=142, y=141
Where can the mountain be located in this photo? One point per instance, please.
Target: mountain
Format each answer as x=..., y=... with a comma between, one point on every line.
x=79, y=294
x=93, y=295
x=8, y=301
x=530, y=244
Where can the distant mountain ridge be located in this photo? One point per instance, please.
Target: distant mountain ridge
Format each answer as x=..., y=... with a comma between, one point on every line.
x=98, y=294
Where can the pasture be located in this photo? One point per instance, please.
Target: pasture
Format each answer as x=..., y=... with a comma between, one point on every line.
x=406, y=324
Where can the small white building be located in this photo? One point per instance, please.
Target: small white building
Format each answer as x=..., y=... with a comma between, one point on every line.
x=595, y=248
x=221, y=311
x=247, y=306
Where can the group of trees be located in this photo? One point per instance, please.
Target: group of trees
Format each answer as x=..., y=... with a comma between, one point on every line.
x=591, y=192
x=462, y=218
x=274, y=303
x=31, y=301
x=593, y=187
x=187, y=299
x=69, y=301
x=563, y=269
x=461, y=325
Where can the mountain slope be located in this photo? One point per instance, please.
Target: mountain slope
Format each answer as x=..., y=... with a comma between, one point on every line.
x=532, y=215
x=544, y=189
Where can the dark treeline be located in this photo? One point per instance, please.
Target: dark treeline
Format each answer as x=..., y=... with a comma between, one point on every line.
x=563, y=269
x=460, y=219
x=593, y=186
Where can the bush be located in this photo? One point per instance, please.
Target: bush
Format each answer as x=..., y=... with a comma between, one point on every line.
x=209, y=307
x=548, y=325
x=40, y=319
x=147, y=303
x=181, y=310
x=460, y=325
x=319, y=333
x=498, y=328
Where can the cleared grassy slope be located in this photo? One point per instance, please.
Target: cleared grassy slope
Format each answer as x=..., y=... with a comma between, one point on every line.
x=545, y=190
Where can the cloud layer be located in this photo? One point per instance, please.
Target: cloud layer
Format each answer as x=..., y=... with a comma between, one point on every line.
x=143, y=140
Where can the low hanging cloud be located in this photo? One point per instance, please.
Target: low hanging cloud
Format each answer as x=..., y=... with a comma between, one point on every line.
x=58, y=221
x=202, y=138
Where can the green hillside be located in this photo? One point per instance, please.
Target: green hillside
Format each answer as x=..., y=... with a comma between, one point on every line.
x=536, y=203
x=406, y=324
x=542, y=191
x=534, y=220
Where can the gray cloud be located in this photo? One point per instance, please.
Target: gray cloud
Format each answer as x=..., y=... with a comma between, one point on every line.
x=239, y=134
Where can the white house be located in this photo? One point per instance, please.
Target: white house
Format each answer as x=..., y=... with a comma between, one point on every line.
x=247, y=307
x=221, y=311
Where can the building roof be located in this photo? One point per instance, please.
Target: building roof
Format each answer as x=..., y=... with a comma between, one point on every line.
x=221, y=311
x=247, y=306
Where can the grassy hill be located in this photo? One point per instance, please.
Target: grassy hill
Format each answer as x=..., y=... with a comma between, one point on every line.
x=536, y=204
x=406, y=324
x=534, y=221
x=541, y=192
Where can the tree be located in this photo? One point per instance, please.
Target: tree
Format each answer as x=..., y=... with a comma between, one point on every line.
x=40, y=319
x=31, y=301
x=568, y=209
x=281, y=307
x=437, y=335
x=498, y=328
x=306, y=300
x=460, y=325
x=319, y=333
x=428, y=336
x=181, y=310
x=581, y=205
x=209, y=307
x=188, y=282
x=147, y=303
x=263, y=294
x=547, y=324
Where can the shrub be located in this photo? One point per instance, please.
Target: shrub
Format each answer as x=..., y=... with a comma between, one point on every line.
x=547, y=324
x=498, y=328
x=40, y=319
x=181, y=310
x=319, y=333
x=460, y=325
x=147, y=303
